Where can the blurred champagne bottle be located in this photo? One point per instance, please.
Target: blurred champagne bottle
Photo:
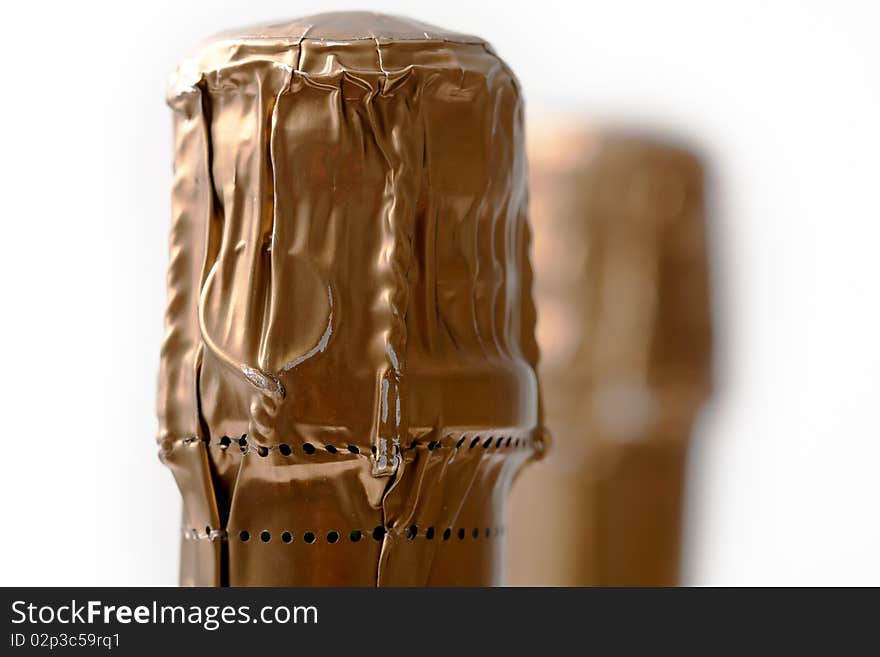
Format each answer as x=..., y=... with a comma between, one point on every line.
x=624, y=327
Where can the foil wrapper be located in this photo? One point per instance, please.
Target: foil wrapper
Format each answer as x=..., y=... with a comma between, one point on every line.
x=347, y=382
x=624, y=328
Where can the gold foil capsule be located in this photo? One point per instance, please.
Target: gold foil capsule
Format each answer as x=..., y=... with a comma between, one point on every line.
x=347, y=382
x=622, y=290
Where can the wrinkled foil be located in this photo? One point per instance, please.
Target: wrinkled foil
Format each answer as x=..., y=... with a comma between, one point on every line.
x=347, y=381
x=624, y=328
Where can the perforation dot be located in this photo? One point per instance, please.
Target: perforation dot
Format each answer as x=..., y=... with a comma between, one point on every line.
x=487, y=442
x=309, y=537
x=476, y=533
x=429, y=533
x=243, y=440
x=286, y=537
x=447, y=533
x=308, y=448
x=265, y=536
x=354, y=449
x=379, y=533
x=244, y=536
x=225, y=442
x=461, y=533
x=355, y=535
x=284, y=448
x=263, y=451
x=330, y=448
x=499, y=441
x=488, y=532
x=460, y=442
x=474, y=442
x=412, y=532
x=332, y=536
x=509, y=438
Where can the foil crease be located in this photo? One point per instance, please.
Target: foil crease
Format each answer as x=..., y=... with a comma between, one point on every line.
x=347, y=382
x=622, y=289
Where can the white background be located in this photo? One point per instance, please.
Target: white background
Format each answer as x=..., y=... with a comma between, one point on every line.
x=784, y=100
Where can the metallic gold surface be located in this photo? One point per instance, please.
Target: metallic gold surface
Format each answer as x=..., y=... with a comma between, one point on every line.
x=347, y=382
x=621, y=285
